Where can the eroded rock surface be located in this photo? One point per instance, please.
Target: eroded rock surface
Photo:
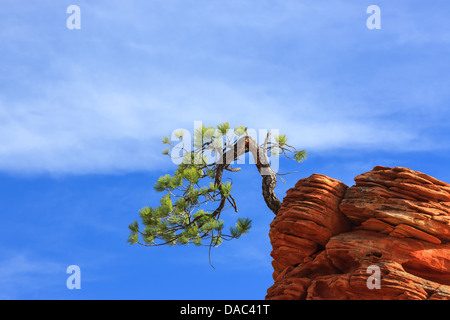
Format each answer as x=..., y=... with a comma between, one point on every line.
x=329, y=240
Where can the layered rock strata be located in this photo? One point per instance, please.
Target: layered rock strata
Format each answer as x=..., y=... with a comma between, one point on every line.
x=331, y=242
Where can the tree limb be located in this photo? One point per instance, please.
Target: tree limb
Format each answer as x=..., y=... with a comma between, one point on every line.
x=248, y=144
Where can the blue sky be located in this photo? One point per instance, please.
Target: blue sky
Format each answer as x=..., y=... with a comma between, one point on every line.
x=83, y=112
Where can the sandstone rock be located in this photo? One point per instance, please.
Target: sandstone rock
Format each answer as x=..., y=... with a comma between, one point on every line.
x=417, y=204
x=328, y=238
x=308, y=218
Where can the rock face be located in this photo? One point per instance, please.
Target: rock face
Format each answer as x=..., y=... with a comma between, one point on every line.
x=386, y=237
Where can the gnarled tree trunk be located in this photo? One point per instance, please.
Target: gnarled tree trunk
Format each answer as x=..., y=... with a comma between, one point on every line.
x=269, y=182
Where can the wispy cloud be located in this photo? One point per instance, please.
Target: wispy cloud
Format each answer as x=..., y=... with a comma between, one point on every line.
x=102, y=99
x=21, y=274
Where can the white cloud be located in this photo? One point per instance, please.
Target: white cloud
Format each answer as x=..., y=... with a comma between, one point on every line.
x=106, y=106
x=20, y=274
x=80, y=130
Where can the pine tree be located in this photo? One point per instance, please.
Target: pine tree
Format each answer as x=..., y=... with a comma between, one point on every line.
x=182, y=216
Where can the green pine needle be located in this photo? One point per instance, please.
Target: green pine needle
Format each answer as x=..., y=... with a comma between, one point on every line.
x=300, y=155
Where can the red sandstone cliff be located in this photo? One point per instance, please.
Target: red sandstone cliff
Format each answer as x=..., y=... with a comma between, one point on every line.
x=327, y=237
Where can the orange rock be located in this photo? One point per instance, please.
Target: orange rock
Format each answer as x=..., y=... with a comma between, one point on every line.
x=308, y=218
x=400, y=196
x=405, y=231
x=328, y=238
x=376, y=225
